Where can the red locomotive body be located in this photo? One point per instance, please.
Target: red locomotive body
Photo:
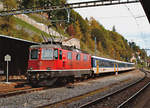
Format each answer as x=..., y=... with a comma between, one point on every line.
x=49, y=62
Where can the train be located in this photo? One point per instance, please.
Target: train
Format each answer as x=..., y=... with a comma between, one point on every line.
x=49, y=63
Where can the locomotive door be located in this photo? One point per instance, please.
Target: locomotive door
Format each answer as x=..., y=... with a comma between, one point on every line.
x=60, y=60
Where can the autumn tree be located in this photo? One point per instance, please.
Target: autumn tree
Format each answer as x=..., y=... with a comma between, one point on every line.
x=10, y=4
x=71, y=30
x=78, y=33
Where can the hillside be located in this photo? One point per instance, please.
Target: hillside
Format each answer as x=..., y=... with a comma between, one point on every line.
x=109, y=44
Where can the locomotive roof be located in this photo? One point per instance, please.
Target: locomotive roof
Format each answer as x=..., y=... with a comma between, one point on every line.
x=57, y=46
x=111, y=60
x=45, y=46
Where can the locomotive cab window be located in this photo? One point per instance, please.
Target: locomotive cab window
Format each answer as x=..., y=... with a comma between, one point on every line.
x=56, y=53
x=47, y=54
x=78, y=57
x=34, y=54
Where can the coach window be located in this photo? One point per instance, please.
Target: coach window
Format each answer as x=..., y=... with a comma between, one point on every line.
x=56, y=53
x=103, y=63
x=95, y=62
x=78, y=57
x=69, y=56
x=60, y=54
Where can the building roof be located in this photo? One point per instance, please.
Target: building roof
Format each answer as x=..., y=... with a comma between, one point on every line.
x=146, y=7
x=17, y=39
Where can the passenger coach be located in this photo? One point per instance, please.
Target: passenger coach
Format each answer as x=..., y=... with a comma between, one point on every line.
x=104, y=65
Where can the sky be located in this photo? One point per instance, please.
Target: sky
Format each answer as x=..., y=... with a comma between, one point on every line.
x=129, y=20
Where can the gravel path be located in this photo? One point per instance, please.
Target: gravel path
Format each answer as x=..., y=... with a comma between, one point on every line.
x=32, y=100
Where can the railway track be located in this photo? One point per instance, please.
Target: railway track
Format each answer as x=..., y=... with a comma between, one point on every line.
x=21, y=91
x=90, y=104
x=130, y=99
x=63, y=97
x=125, y=103
x=97, y=102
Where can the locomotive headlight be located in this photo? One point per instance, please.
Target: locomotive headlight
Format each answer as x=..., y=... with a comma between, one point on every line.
x=31, y=68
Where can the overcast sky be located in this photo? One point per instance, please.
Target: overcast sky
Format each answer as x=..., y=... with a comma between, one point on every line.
x=129, y=20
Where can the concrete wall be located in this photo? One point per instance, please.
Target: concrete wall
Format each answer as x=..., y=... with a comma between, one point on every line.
x=40, y=26
x=72, y=42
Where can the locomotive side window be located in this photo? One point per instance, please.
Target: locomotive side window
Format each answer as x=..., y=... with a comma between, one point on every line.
x=60, y=54
x=34, y=54
x=85, y=58
x=69, y=55
x=56, y=53
x=47, y=54
x=78, y=57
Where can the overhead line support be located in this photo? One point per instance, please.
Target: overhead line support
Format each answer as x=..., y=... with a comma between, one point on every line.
x=66, y=6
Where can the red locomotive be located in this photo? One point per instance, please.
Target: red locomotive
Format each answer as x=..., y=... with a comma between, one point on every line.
x=49, y=62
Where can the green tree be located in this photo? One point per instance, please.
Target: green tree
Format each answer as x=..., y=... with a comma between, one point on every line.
x=29, y=3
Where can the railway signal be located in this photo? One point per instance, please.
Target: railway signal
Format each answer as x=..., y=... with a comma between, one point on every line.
x=7, y=58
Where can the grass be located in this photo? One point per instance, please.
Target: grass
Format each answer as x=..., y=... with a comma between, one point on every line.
x=39, y=19
x=47, y=22
x=30, y=27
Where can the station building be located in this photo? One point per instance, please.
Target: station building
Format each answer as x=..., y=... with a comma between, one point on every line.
x=18, y=49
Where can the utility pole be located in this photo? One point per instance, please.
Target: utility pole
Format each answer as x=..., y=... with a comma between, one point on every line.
x=68, y=14
x=95, y=46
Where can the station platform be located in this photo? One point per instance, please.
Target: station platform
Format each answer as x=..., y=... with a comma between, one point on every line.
x=13, y=78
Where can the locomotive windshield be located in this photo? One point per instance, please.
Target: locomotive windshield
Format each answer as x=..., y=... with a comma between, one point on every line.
x=47, y=54
x=34, y=54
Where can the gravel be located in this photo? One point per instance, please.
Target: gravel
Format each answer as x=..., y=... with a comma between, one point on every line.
x=52, y=95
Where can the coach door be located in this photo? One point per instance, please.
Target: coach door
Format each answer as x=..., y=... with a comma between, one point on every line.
x=97, y=66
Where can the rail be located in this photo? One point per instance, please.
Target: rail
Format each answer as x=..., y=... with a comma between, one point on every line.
x=13, y=93
x=133, y=96
x=112, y=93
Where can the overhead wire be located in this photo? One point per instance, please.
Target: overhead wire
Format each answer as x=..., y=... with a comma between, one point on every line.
x=138, y=25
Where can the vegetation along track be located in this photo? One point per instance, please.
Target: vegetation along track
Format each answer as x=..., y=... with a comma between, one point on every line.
x=121, y=97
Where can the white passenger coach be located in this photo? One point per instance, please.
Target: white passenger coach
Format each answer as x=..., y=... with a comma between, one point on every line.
x=104, y=65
